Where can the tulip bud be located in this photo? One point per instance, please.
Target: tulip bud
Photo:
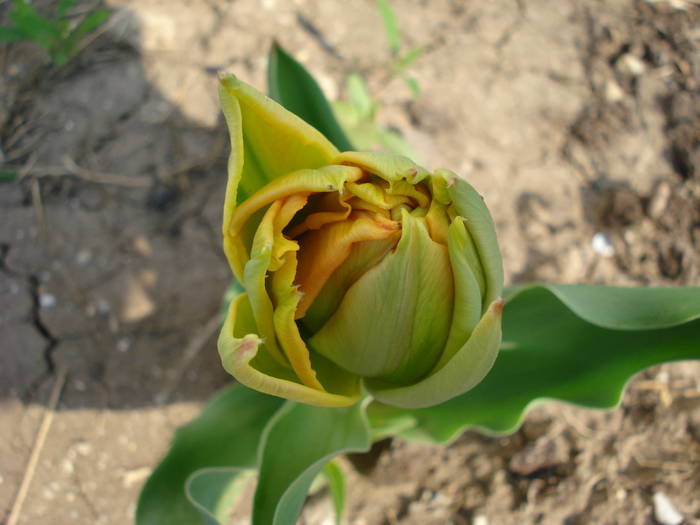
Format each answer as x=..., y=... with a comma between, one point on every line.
x=359, y=268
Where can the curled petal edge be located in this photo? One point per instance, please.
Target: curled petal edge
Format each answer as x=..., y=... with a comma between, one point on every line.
x=461, y=373
x=237, y=353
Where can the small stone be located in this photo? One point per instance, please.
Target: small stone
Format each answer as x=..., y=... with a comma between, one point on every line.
x=83, y=257
x=480, y=519
x=47, y=300
x=659, y=200
x=613, y=92
x=123, y=344
x=602, y=245
x=67, y=466
x=544, y=453
x=103, y=306
x=665, y=512
x=84, y=448
x=631, y=64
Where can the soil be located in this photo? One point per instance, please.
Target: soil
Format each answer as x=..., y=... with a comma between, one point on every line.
x=576, y=119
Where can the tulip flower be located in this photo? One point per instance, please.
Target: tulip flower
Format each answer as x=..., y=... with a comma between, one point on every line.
x=363, y=272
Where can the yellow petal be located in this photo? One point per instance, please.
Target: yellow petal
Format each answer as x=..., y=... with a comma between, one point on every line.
x=281, y=244
x=253, y=280
x=242, y=355
x=287, y=298
x=326, y=179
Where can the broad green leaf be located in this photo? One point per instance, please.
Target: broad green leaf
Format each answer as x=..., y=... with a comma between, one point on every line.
x=225, y=434
x=215, y=491
x=296, y=445
x=336, y=485
x=579, y=344
x=290, y=84
x=391, y=27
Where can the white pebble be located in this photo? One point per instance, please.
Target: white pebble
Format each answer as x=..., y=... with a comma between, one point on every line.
x=664, y=511
x=123, y=344
x=480, y=519
x=47, y=300
x=602, y=245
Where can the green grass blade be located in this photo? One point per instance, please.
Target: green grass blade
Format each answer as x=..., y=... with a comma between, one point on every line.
x=336, y=485
x=578, y=344
x=297, y=444
x=91, y=22
x=409, y=58
x=290, y=84
x=391, y=26
x=63, y=7
x=225, y=434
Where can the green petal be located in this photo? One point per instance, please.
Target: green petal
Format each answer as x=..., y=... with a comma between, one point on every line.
x=364, y=255
x=467, y=305
x=245, y=357
x=470, y=205
x=267, y=141
x=388, y=166
x=461, y=373
x=394, y=321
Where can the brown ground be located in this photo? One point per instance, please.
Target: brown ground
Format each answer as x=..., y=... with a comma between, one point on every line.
x=571, y=117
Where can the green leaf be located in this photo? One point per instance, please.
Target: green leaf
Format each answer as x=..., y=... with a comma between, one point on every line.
x=391, y=27
x=225, y=434
x=409, y=58
x=63, y=7
x=394, y=143
x=290, y=84
x=91, y=22
x=8, y=175
x=215, y=491
x=579, y=344
x=13, y=34
x=359, y=97
x=297, y=443
x=336, y=485
x=39, y=29
x=412, y=84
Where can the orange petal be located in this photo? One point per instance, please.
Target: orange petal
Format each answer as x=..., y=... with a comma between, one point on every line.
x=323, y=251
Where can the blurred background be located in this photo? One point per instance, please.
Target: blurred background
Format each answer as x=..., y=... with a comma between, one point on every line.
x=576, y=119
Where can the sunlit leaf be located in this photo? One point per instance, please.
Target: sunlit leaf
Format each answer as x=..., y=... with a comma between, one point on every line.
x=579, y=344
x=391, y=27
x=225, y=434
x=297, y=444
x=292, y=86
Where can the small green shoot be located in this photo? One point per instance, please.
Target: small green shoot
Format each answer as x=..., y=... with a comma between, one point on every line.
x=58, y=35
x=357, y=115
x=401, y=61
x=7, y=175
